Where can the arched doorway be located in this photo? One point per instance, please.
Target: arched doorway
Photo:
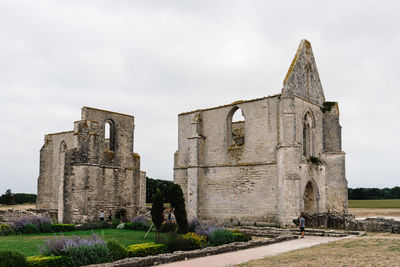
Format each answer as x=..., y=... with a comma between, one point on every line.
x=310, y=198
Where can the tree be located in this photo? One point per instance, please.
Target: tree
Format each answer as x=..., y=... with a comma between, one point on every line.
x=157, y=211
x=152, y=185
x=8, y=198
x=178, y=204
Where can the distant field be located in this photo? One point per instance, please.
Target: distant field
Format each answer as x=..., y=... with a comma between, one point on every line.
x=375, y=204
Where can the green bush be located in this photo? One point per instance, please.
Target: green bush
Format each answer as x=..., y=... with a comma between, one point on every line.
x=118, y=251
x=61, y=227
x=48, y=261
x=240, y=237
x=85, y=255
x=29, y=229
x=157, y=211
x=220, y=236
x=94, y=225
x=45, y=227
x=174, y=242
x=6, y=229
x=178, y=205
x=137, y=226
x=168, y=227
x=142, y=250
x=10, y=258
x=195, y=241
x=128, y=226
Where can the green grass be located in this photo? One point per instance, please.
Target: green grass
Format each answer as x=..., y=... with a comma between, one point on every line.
x=375, y=203
x=29, y=244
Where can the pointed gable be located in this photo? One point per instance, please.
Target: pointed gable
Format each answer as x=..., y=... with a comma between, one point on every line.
x=302, y=78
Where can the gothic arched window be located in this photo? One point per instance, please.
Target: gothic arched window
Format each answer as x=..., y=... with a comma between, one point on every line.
x=109, y=135
x=236, y=127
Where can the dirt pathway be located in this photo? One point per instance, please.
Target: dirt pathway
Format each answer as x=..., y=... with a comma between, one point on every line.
x=236, y=257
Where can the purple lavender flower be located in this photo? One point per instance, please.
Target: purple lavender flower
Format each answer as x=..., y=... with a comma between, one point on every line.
x=206, y=228
x=140, y=219
x=58, y=246
x=35, y=220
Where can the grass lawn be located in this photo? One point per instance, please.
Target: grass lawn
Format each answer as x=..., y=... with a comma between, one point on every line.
x=370, y=250
x=375, y=203
x=29, y=244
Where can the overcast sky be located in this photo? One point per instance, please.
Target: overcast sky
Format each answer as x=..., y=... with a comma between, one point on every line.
x=155, y=59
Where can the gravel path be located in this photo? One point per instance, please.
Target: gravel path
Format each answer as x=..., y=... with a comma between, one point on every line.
x=236, y=257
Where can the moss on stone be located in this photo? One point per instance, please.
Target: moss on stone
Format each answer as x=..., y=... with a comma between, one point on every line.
x=327, y=106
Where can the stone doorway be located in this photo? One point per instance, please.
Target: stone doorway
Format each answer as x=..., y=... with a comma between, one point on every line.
x=310, y=199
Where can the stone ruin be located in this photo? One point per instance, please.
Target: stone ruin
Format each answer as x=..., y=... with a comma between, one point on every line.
x=284, y=156
x=92, y=168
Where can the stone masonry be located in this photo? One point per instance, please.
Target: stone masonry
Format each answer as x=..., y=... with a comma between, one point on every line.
x=92, y=168
x=284, y=157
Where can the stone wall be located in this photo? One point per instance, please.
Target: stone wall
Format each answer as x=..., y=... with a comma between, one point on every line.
x=348, y=222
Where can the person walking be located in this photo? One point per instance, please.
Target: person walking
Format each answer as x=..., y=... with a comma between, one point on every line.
x=101, y=215
x=302, y=224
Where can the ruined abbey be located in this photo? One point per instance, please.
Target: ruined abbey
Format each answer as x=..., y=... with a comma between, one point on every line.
x=262, y=160
x=284, y=156
x=92, y=168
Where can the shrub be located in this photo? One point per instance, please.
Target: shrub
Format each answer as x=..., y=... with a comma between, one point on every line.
x=60, y=227
x=220, y=236
x=48, y=261
x=206, y=229
x=142, y=250
x=140, y=223
x=32, y=224
x=88, y=254
x=136, y=226
x=157, y=211
x=94, y=225
x=10, y=258
x=57, y=246
x=178, y=204
x=168, y=227
x=141, y=219
x=45, y=227
x=29, y=229
x=6, y=229
x=195, y=241
x=240, y=237
x=174, y=242
x=117, y=250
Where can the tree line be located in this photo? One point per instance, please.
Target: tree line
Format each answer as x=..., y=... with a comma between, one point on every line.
x=8, y=198
x=374, y=193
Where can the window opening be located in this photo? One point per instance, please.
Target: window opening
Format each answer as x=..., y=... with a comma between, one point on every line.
x=237, y=127
x=109, y=135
